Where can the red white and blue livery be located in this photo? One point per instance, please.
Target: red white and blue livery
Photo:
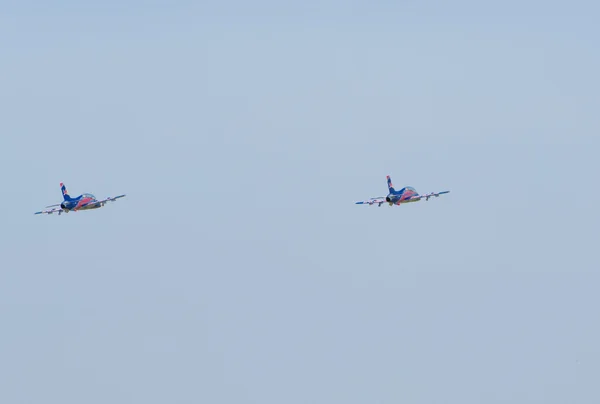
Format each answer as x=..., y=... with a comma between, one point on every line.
x=405, y=195
x=82, y=202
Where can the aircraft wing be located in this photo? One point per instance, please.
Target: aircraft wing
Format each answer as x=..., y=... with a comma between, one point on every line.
x=373, y=201
x=427, y=196
x=103, y=201
x=49, y=212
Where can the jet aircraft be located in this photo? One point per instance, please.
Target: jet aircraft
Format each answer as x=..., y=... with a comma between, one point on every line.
x=405, y=195
x=82, y=202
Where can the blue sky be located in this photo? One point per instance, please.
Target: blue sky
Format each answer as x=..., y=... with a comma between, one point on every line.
x=238, y=268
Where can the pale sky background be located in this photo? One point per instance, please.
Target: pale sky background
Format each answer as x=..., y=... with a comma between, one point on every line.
x=238, y=269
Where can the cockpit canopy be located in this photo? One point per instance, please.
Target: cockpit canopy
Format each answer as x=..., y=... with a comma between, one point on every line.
x=88, y=196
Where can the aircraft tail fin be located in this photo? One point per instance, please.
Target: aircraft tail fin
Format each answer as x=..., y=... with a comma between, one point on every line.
x=390, y=186
x=63, y=188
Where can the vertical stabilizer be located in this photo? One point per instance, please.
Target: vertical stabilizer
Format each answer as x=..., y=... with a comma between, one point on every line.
x=390, y=185
x=64, y=192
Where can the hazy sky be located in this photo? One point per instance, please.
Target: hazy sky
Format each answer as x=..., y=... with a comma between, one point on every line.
x=238, y=269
